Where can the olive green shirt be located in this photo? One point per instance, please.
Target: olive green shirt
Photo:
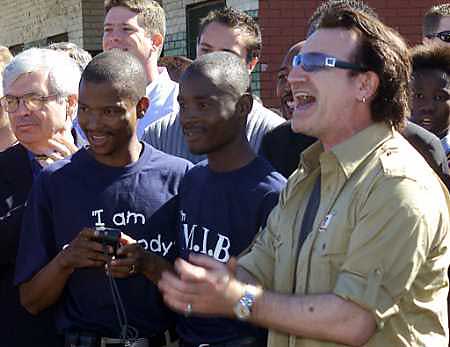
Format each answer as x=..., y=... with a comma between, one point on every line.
x=379, y=238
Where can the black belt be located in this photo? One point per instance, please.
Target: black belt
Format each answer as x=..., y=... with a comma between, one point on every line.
x=240, y=341
x=88, y=339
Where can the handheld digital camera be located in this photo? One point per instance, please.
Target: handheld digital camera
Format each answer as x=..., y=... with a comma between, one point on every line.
x=108, y=237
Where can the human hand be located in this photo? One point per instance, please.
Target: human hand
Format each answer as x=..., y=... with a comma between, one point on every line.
x=84, y=252
x=130, y=260
x=56, y=148
x=203, y=286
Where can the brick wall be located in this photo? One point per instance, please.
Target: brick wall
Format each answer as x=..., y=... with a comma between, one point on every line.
x=31, y=21
x=283, y=23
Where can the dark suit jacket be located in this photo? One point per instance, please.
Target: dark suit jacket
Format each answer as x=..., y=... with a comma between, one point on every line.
x=282, y=148
x=430, y=146
x=19, y=328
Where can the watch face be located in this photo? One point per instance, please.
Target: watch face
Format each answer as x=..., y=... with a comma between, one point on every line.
x=242, y=309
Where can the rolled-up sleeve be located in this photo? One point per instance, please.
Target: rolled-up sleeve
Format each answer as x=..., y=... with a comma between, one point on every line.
x=391, y=241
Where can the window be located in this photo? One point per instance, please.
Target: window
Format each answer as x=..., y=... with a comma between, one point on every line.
x=57, y=38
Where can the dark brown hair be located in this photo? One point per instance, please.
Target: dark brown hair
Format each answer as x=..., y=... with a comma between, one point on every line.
x=236, y=19
x=430, y=56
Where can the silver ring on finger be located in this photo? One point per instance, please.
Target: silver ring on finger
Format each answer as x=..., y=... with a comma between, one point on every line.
x=188, y=310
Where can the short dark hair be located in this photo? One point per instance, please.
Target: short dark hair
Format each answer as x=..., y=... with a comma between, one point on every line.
x=432, y=18
x=120, y=69
x=356, y=5
x=225, y=68
x=382, y=50
x=236, y=19
x=430, y=56
x=175, y=65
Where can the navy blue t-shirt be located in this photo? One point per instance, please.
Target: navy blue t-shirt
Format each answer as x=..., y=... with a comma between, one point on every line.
x=220, y=215
x=80, y=192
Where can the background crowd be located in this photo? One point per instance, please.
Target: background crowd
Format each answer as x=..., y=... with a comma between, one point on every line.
x=324, y=223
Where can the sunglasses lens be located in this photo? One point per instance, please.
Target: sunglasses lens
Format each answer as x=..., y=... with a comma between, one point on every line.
x=445, y=36
x=313, y=61
x=310, y=62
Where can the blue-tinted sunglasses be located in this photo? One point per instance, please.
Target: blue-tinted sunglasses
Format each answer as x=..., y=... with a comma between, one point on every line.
x=443, y=36
x=313, y=61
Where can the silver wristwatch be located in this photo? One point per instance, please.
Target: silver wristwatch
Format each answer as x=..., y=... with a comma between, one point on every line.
x=243, y=307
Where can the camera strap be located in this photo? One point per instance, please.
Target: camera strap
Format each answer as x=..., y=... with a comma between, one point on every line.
x=127, y=332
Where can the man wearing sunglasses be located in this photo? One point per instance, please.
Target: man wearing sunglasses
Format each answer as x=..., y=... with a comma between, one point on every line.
x=282, y=147
x=436, y=25
x=40, y=97
x=355, y=253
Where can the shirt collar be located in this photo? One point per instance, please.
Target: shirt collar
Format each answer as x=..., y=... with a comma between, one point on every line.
x=162, y=75
x=350, y=153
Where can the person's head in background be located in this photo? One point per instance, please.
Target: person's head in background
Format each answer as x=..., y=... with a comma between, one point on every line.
x=430, y=84
x=175, y=65
x=40, y=95
x=230, y=30
x=7, y=137
x=436, y=25
x=284, y=92
x=81, y=56
x=356, y=5
x=136, y=26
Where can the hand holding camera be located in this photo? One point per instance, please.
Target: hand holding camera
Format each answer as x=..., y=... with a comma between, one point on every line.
x=90, y=248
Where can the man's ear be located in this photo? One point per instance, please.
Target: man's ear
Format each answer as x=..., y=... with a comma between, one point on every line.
x=71, y=106
x=244, y=105
x=157, y=42
x=368, y=83
x=142, y=106
x=252, y=64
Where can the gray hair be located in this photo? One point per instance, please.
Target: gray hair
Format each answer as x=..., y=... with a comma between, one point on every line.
x=63, y=73
x=81, y=56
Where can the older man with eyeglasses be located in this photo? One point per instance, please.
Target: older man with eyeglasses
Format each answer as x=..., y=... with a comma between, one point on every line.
x=436, y=25
x=40, y=97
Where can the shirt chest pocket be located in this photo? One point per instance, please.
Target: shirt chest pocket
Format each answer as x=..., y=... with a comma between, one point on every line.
x=330, y=249
x=333, y=237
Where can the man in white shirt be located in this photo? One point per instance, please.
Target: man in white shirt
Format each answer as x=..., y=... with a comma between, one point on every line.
x=227, y=30
x=139, y=26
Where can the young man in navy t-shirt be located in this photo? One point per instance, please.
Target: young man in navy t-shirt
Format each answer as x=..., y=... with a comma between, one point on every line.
x=224, y=201
x=117, y=182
